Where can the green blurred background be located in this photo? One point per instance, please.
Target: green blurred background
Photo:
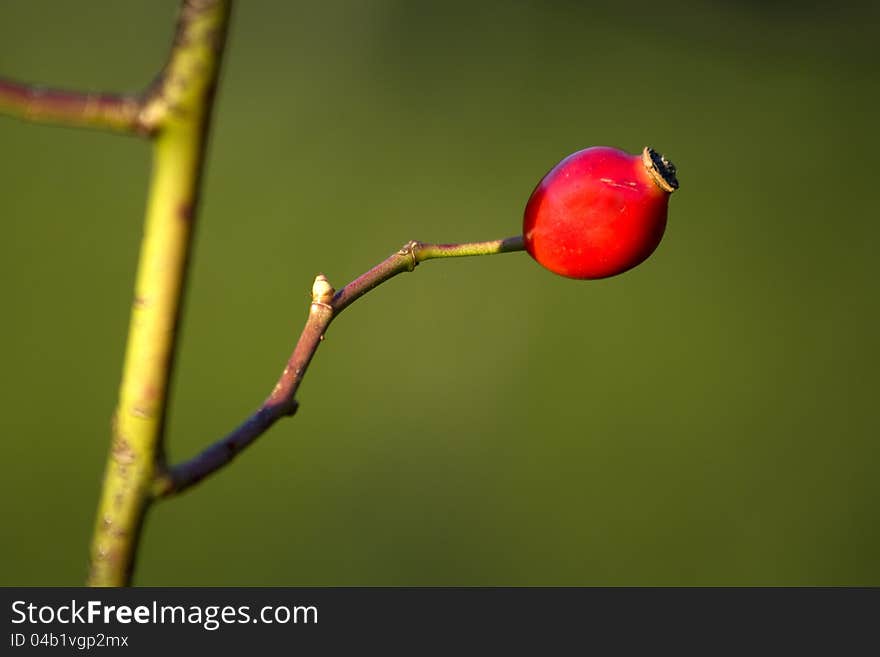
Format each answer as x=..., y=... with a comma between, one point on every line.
x=708, y=418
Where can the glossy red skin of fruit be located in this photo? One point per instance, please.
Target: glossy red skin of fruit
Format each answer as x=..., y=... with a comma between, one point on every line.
x=597, y=213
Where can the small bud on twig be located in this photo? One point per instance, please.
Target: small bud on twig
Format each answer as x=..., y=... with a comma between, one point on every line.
x=322, y=291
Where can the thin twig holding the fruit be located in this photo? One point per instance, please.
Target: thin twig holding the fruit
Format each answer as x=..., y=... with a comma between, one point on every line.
x=326, y=305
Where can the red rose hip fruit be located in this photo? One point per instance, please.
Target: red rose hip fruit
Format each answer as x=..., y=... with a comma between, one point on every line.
x=599, y=212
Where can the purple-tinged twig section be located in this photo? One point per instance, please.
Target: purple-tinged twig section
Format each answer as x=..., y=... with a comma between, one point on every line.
x=117, y=113
x=198, y=44
x=326, y=305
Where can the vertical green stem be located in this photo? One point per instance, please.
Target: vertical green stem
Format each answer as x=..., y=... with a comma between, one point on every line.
x=180, y=106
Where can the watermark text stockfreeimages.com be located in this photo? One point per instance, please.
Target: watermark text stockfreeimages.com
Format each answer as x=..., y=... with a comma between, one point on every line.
x=210, y=617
